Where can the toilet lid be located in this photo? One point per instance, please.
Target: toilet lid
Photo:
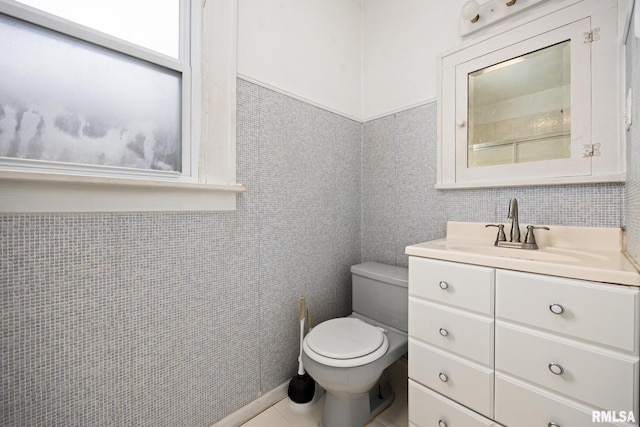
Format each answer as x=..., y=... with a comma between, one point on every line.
x=344, y=338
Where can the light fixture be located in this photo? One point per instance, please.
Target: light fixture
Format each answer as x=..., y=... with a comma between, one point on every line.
x=470, y=11
x=477, y=15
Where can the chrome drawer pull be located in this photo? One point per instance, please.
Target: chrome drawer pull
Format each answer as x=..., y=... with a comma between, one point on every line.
x=443, y=377
x=442, y=423
x=556, y=369
x=443, y=285
x=443, y=332
x=553, y=425
x=556, y=308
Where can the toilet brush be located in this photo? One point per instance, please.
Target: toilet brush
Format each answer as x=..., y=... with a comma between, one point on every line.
x=301, y=387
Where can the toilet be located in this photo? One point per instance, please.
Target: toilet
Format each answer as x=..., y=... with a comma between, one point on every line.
x=348, y=356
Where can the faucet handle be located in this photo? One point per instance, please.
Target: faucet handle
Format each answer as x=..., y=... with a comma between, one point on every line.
x=501, y=236
x=530, y=238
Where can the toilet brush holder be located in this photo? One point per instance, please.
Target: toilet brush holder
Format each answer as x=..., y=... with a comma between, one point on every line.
x=302, y=386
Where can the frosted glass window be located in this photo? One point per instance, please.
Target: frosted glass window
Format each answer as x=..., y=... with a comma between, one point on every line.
x=154, y=24
x=66, y=100
x=520, y=109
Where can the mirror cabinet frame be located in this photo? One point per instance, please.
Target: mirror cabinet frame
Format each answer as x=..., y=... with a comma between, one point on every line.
x=597, y=64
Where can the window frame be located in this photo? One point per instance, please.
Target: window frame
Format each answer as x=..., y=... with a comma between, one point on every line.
x=207, y=181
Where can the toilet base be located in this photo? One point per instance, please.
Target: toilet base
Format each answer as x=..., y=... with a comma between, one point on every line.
x=352, y=410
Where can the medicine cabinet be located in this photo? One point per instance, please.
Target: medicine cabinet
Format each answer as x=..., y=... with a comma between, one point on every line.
x=537, y=104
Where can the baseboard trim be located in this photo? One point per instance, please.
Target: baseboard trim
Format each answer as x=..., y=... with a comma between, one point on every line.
x=249, y=411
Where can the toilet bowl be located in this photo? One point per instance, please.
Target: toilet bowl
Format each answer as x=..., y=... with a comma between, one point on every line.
x=346, y=342
x=348, y=356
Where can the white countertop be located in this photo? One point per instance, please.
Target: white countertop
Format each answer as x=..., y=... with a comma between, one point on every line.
x=589, y=253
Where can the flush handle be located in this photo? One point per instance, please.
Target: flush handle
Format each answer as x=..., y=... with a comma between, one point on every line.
x=556, y=308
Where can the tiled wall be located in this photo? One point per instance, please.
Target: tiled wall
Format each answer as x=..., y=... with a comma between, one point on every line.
x=179, y=319
x=166, y=319
x=401, y=207
x=632, y=189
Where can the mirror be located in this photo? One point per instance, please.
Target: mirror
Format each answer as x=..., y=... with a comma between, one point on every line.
x=520, y=110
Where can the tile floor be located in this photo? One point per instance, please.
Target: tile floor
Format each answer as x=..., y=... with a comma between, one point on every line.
x=282, y=414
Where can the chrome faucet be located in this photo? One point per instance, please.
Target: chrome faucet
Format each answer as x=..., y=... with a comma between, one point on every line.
x=513, y=215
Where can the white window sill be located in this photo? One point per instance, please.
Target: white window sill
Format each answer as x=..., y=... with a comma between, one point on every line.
x=37, y=192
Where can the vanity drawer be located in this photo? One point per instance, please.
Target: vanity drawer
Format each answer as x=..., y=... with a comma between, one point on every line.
x=430, y=409
x=605, y=314
x=520, y=404
x=463, y=381
x=460, y=285
x=464, y=333
x=599, y=377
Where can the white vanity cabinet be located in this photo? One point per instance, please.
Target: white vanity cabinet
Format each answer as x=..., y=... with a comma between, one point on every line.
x=564, y=340
x=490, y=347
x=451, y=327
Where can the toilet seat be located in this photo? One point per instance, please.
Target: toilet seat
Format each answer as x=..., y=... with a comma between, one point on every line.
x=345, y=342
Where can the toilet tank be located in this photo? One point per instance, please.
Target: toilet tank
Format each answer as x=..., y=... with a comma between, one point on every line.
x=380, y=292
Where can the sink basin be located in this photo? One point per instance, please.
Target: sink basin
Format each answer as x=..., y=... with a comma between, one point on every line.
x=588, y=253
x=552, y=254
x=548, y=254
